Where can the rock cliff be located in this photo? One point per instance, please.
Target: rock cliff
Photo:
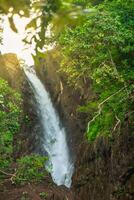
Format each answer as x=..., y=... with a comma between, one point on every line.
x=64, y=97
x=26, y=141
x=10, y=70
x=104, y=169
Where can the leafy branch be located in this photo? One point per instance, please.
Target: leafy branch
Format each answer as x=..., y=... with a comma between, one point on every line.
x=100, y=107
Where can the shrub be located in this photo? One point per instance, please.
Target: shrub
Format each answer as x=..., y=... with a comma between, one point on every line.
x=30, y=169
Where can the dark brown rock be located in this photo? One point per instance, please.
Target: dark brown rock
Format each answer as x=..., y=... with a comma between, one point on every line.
x=104, y=169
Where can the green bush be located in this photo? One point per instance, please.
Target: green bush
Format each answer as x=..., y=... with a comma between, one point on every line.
x=10, y=110
x=99, y=50
x=43, y=195
x=30, y=169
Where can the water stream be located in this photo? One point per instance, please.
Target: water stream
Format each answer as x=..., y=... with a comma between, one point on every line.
x=54, y=134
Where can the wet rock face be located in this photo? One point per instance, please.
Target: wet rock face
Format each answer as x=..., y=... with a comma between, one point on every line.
x=105, y=170
x=29, y=135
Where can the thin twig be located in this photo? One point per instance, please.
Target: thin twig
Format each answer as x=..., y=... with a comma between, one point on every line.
x=8, y=174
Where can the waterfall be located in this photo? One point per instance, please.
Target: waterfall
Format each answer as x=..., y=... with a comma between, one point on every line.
x=54, y=134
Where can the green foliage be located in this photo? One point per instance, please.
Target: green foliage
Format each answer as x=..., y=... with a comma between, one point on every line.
x=30, y=169
x=54, y=14
x=100, y=49
x=17, y=6
x=11, y=7
x=43, y=195
x=10, y=110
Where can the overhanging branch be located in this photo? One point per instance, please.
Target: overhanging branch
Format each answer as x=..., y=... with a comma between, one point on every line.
x=100, y=106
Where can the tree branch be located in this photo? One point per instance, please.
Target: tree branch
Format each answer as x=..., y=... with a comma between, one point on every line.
x=100, y=106
x=8, y=174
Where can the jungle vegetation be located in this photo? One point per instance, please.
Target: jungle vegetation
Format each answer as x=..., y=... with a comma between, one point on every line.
x=95, y=39
x=28, y=168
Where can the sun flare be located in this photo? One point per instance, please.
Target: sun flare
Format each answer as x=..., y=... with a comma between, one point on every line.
x=12, y=42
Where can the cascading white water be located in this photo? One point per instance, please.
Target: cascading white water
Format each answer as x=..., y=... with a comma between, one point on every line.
x=54, y=136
